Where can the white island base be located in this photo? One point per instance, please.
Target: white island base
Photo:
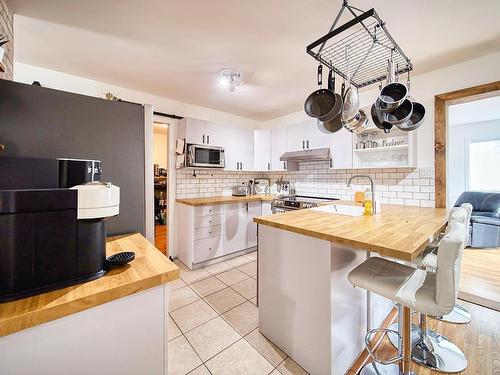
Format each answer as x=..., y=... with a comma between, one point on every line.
x=307, y=307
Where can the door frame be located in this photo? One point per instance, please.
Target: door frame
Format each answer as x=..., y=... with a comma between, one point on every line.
x=441, y=103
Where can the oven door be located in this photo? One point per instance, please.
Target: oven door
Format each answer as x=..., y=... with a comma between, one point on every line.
x=206, y=156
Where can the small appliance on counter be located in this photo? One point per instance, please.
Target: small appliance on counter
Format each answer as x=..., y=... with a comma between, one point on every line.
x=239, y=190
x=205, y=156
x=262, y=185
x=52, y=228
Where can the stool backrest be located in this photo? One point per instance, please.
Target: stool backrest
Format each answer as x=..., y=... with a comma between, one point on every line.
x=468, y=208
x=449, y=260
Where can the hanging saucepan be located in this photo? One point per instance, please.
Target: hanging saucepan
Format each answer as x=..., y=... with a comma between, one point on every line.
x=377, y=119
x=332, y=122
x=321, y=101
x=416, y=119
x=393, y=94
x=399, y=115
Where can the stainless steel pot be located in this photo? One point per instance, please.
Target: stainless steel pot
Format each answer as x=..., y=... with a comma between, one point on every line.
x=393, y=94
x=400, y=115
x=332, y=122
x=377, y=118
x=358, y=123
x=416, y=119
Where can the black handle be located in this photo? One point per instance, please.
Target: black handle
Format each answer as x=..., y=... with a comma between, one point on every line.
x=320, y=75
x=268, y=166
x=307, y=144
x=343, y=90
x=203, y=138
x=303, y=144
x=208, y=139
x=330, y=75
x=331, y=162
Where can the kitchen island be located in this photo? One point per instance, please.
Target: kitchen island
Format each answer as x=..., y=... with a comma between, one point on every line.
x=115, y=324
x=307, y=307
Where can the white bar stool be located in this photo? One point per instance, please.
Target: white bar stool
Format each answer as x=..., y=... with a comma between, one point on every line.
x=428, y=294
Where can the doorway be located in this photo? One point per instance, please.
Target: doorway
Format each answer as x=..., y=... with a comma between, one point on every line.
x=160, y=170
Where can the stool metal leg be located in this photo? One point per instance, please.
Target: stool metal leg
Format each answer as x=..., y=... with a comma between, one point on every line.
x=458, y=315
x=437, y=352
x=390, y=367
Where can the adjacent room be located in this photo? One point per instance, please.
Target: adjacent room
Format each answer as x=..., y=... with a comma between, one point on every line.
x=249, y=187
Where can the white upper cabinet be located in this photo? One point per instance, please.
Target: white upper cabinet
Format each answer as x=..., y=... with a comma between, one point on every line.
x=238, y=147
x=193, y=130
x=278, y=148
x=296, y=138
x=214, y=133
x=315, y=138
x=341, y=149
x=262, y=150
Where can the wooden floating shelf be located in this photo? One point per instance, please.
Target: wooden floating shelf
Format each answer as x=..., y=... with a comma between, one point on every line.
x=386, y=148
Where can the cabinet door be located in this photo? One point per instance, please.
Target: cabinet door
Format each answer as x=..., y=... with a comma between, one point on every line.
x=231, y=151
x=235, y=227
x=195, y=131
x=341, y=149
x=253, y=209
x=278, y=148
x=316, y=138
x=262, y=150
x=296, y=137
x=244, y=141
x=215, y=134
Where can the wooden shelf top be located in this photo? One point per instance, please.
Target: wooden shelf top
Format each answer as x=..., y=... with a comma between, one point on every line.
x=150, y=268
x=398, y=231
x=207, y=201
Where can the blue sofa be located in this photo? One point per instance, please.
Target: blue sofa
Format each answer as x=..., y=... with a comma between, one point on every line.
x=485, y=218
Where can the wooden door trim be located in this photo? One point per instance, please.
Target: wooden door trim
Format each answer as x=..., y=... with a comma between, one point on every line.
x=441, y=102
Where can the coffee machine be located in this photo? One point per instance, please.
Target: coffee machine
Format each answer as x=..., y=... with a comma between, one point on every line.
x=52, y=224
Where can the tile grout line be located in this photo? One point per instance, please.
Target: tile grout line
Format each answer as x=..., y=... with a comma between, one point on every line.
x=242, y=337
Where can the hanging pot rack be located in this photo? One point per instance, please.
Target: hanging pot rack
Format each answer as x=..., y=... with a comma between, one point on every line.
x=370, y=46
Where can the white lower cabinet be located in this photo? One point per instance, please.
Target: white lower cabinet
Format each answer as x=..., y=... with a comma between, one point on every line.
x=205, y=233
x=235, y=227
x=266, y=208
x=253, y=209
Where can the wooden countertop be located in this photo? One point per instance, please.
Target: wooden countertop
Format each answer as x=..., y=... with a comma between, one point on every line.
x=150, y=268
x=224, y=199
x=401, y=232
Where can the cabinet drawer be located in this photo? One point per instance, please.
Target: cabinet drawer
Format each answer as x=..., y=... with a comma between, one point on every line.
x=207, y=248
x=207, y=210
x=200, y=233
x=207, y=221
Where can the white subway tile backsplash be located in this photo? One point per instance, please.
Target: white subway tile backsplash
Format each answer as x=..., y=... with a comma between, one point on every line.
x=394, y=185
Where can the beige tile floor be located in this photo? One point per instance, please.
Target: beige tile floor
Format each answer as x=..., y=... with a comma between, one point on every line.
x=213, y=323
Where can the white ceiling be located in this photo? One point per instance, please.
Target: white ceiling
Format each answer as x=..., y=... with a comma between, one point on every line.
x=174, y=48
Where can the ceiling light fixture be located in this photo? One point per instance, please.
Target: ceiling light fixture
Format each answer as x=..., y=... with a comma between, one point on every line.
x=229, y=79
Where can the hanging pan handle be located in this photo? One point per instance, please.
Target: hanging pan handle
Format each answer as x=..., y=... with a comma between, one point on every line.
x=330, y=75
x=320, y=75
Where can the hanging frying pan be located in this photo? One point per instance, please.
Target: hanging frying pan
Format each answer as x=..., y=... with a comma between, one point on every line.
x=321, y=101
x=332, y=122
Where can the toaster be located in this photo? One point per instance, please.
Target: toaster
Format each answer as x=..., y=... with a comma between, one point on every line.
x=239, y=190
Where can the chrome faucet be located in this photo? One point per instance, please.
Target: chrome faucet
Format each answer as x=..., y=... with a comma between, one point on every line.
x=372, y=185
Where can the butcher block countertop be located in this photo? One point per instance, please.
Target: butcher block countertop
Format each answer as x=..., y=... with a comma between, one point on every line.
x=150, y=268
x=207, y=201
x=401, y=232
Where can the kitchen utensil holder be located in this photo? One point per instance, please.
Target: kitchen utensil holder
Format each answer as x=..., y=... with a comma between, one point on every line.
x=370, y=45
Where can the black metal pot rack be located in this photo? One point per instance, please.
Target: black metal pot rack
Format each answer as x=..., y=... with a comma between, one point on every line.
x=369, y=46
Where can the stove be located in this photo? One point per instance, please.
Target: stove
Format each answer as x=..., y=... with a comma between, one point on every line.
x=297, y=202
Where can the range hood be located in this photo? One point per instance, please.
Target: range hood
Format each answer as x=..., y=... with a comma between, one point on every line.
x=316, y=154
x=292, y=158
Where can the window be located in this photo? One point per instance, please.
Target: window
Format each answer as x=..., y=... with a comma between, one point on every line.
x=484, y=165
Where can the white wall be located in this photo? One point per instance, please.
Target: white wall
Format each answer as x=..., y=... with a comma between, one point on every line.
x=67, y=82
x=423, y=88
x=160, y=144
x=459, y=137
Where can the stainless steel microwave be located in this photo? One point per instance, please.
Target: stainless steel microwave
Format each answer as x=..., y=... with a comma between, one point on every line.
x=205, y=156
